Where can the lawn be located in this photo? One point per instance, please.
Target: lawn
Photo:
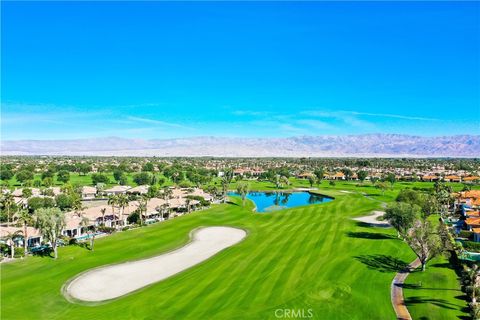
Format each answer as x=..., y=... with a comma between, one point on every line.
x=428, y=294
x=313, y=257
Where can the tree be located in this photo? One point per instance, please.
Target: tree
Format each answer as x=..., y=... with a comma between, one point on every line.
x=225, y=184
x=423, y=241
x=142, y=178
x=48, y=174
x=99, y=178
x=6, y=174
x=373, y=180
x=348, y=173
x=391, y=178
x=26, y=193
x=36, y=203
x=122, y=202
x=63, y=176
x=149, y=166
x=50, y=222
x=24, y=217
x=362, y=175
x=409, y=196
x=9, y=205
x=142, y=207
x=85, y=223
x=102, y=211
x=311, y=180
x=401, y=216
x=10, y=240
x=118, y=174
x=47, y=182
x=471, y=281
x=382, y=186
x=64, y=201
x=112, y=201
x=242, y=190
x=319, y=174
x=23, y=176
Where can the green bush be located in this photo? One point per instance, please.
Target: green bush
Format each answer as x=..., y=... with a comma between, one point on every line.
x=19, y=252
x=466, y=234
x=72, y=241
x=106, y=229
x=471, y=246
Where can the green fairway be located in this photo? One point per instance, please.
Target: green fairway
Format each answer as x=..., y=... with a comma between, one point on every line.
x=313, y=257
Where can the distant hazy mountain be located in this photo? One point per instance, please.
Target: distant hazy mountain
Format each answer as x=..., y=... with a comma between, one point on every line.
x=375, y=145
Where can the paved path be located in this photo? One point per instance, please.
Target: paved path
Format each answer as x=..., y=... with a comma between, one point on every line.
x=398, y=300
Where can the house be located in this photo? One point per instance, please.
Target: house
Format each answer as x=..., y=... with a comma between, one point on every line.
x=430, y=178
x=34, y=238
x=139, y=190
x=305, y=175
x=452, y=178
x=89, y=192
x=117, y=190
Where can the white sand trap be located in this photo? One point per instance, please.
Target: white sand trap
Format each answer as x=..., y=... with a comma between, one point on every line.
x=373, y=219
x=117, y=280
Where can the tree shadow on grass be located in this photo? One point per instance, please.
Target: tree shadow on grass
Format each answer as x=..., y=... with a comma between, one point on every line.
x=417, y=286
x=370, y=235
x=383, y=263
x=442, y=303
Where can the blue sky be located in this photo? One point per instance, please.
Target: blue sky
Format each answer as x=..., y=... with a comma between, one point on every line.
x=163, y=70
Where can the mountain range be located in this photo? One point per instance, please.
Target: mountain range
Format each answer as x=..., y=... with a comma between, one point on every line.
x=367, y=145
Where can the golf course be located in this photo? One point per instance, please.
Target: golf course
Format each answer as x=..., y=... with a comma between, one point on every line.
x=313, y=257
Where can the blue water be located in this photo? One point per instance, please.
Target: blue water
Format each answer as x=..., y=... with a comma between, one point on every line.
x=272, y=201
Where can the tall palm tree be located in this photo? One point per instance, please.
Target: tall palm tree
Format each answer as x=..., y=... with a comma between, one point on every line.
x=102, y=211
x=112, y=201
x=122, y=202
x=8, y=202
x=24, y=217
x=10, y=238
x=225, y=183
x=242, y=189
x=85, y=222
x=142, y=207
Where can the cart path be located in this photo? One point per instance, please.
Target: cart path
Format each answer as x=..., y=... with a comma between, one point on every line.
x=398, y=300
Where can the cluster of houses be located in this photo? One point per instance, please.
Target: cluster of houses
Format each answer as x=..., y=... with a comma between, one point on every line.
x=468, y=203
x=401, y=177
x=99, y=213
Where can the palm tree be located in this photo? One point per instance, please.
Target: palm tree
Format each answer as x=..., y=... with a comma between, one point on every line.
x=24, y=217
x=242, y=189
x=102, y=211
x=142, y=207
x=187, y=203
x=77, y=206
x=112, y=201
x=10, y=238
x=122, y=202
x=85, y=222
x=8, y=202
x=225, y=183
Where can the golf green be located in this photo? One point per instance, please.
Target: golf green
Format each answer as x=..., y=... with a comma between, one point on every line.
x=308, y=259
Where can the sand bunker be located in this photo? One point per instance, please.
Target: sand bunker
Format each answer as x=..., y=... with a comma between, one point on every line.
x=117, y=280
x=372, y=219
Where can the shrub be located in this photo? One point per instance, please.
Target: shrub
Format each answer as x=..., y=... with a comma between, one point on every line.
x=72, y=241
x=19, y=252
x=134, y=217
x=125, y=228
x=471, y=246
x=466, y=234
x=106, y=229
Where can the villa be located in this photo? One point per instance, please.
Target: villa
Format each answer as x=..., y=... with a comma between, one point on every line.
x=89, y=192
x=117, y=190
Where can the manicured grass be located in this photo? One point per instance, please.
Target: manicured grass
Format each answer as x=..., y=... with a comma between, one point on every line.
x=313, y=257
x=428, y=294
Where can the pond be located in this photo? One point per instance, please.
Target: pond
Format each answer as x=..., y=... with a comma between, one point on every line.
x=272, y=201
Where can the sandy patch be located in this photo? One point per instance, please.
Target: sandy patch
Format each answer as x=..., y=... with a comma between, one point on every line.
x=372, y=219
x=117, y=280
